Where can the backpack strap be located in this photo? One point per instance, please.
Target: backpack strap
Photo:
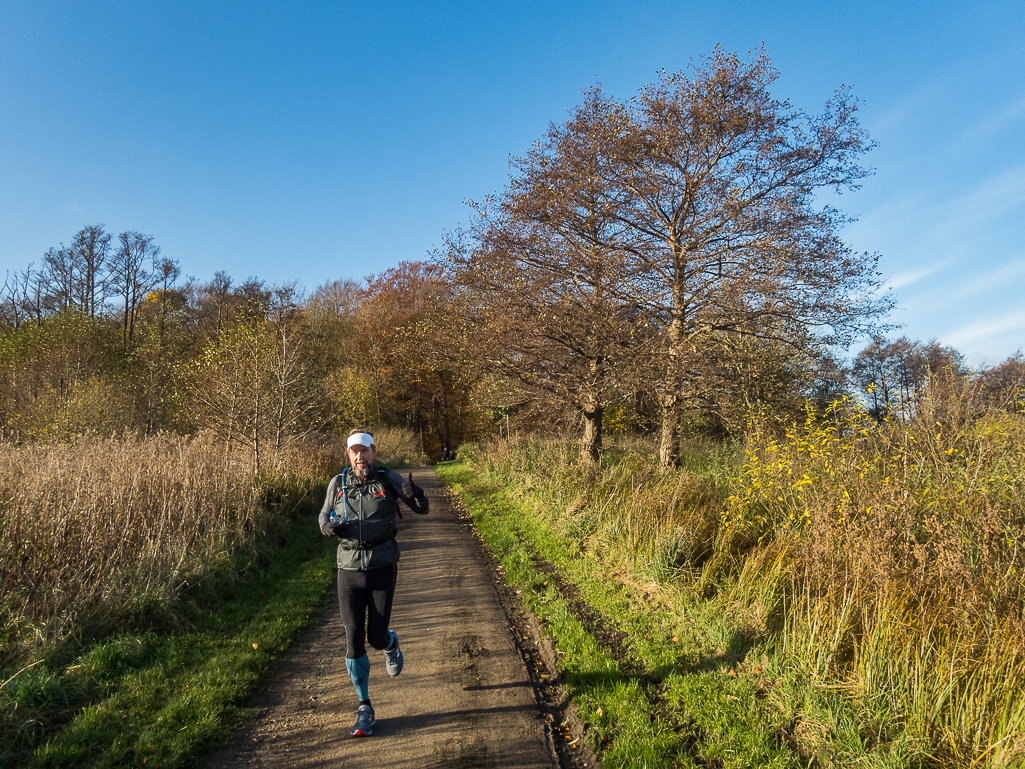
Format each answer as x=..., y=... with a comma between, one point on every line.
x=382, y=474
x=343, y=492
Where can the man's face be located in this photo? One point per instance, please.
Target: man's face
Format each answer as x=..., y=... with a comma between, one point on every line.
x=362, y=458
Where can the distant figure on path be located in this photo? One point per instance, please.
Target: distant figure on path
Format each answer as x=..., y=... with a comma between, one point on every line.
x=361, y=509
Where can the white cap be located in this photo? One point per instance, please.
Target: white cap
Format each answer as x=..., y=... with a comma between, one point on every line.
x=362, y=439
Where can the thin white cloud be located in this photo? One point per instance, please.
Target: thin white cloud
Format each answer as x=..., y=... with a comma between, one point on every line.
x=976, y=334
x=915, y=101
x=972, y=282
x=991, y=198
x=903, y=279
x=992, y=126
x=970, y=290
x=1011, y=273
x=945, y=230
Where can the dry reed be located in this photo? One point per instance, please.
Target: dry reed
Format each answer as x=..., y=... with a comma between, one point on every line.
x=396, y=447
x=99, y=532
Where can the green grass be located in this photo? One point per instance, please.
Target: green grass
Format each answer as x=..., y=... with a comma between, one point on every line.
x=656, y=688
x=166, y=699
x=696, y=629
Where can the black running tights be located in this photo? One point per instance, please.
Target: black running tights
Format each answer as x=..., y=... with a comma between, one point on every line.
x=365, y=598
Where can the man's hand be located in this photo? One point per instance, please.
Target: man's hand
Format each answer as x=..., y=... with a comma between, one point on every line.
x=336, y=529
x=408, y=486
x=411, y=490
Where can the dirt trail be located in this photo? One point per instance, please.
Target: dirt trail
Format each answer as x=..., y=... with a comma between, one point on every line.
x=464, y=699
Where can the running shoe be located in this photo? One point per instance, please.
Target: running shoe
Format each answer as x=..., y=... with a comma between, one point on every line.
x=393, y=657
x=365, y=721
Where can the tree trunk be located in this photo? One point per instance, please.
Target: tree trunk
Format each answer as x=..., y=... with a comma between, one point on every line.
x=591, y=443
x=669, y=443
x=444, y=410
x=670, y=394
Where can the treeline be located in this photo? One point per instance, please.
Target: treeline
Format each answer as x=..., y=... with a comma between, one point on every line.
x=89, y=344
x=894, y=377
x=656, y=265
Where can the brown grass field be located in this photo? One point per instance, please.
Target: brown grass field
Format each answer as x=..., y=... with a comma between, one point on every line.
x=103, y=532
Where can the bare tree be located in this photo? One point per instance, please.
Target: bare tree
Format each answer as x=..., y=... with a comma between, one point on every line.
x=875, y=374
x=76, y=275
x=62, y=275
x=723, y=179
x=165, y=274
x=939, y=358
x=36, y=299
x=11, y=312
x=25, y=296
x=129, y=277
x=894, y=376
x=1003, y=386
x=90, y=250
x=543, y=277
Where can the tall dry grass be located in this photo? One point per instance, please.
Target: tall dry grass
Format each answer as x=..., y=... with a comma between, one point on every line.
x=100, y=532
x=660, y=524
x=885, y=561
x=903, y=578
x=396, y=447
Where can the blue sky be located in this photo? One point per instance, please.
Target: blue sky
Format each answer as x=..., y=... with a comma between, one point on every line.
x=312, y=141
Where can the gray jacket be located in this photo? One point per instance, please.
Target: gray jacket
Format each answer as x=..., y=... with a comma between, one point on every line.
x=372, y=511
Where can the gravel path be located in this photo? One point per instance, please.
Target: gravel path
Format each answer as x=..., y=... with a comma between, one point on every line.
x=466, y=697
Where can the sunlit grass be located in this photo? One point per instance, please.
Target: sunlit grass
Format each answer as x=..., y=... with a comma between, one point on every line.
x=161, y=700
x=875, y=570
x=663, y=695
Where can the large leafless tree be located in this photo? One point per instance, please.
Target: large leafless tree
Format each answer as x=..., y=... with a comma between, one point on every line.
x=542, y=274
x=692, y=212
x=724, y=181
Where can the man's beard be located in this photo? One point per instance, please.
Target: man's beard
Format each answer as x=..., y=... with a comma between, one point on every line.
x=361, y=473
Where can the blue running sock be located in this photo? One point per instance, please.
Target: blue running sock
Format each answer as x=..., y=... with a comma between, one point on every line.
x=359, y=672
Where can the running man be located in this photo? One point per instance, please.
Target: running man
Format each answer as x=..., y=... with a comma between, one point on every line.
x=361, y=510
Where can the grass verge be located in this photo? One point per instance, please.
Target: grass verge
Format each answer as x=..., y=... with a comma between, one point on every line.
x=655, y=688
x=836, y=593
x=163, y=700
